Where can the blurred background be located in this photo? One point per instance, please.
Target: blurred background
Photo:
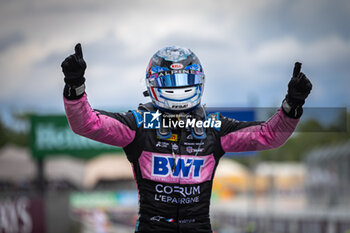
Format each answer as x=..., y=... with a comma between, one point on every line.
x=53, y=181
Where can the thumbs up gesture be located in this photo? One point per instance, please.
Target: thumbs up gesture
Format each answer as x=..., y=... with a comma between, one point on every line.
x=299, y=87
x=73, y=68
x=74, y=65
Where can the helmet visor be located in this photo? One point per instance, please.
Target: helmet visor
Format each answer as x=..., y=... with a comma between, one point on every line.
x=176, y=80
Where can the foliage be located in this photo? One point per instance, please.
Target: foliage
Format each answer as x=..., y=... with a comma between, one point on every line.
x=310, y=135
x=11, y=136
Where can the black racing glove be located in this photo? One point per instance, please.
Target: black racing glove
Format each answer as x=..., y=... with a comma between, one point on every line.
x=299, y=87
x=74, y=68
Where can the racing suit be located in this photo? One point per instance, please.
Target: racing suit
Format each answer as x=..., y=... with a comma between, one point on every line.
x=174, y=176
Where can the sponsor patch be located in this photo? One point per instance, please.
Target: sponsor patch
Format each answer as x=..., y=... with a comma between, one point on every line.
x=176, y=66
x=174, y=146
x=184, y=169
x=173, y=138
x=162, y=144
x=161, y=218
x=193, y=143
x=191, y=150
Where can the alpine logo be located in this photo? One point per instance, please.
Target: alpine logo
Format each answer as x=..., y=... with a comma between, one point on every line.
x=184, y=167
x=176, y=66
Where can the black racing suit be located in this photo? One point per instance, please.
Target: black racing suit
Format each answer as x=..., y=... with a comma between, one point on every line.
x=174, y=174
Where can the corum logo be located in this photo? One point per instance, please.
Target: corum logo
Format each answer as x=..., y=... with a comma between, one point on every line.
x=176, y=66
x=151, y=120
x=184, y=167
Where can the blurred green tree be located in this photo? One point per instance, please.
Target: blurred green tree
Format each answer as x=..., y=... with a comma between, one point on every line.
x=11, y=136
x=311, y=134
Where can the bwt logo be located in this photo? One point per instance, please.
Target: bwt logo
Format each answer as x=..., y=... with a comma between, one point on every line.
x=163, y=166
x=151, y=120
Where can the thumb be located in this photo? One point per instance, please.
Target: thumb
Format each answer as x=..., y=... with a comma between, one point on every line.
x=78, y=51
x=297, y=68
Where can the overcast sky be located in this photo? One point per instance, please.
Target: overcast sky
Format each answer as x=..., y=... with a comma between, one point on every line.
x=248, y=49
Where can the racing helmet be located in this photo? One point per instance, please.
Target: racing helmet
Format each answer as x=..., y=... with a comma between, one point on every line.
x=175, y=79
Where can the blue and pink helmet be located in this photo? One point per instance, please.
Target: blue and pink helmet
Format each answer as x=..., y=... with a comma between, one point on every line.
x=175, y=79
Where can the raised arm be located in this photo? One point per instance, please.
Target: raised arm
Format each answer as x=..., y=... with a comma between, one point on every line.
x=116, y=129
x=253, y=136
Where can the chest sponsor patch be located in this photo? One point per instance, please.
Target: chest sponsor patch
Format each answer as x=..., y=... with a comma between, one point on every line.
x=173, y=138
x=184, y=169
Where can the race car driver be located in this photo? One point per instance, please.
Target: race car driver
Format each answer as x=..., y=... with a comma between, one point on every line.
x=174, y=165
